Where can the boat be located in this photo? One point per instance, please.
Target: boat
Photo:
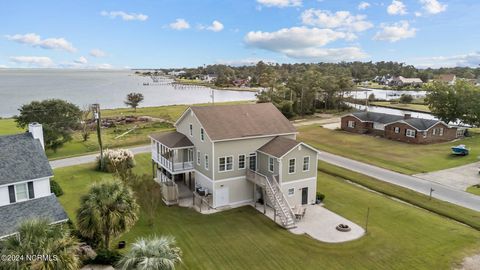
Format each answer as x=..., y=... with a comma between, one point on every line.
x=460, y=150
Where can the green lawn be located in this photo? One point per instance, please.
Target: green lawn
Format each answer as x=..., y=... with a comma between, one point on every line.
x=8, y=127
x=411, y=106
x=475, y=189
x=398, y=156
x=400, y=236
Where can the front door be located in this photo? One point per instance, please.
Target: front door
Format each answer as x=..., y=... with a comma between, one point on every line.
x=252, y=161
x=305, y=195
x=222, y=196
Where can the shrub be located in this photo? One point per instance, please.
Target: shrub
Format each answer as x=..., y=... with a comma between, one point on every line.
x=320, y=196
x=116, y=160
x=406, y=98
x=55, y=188
x=105, y=257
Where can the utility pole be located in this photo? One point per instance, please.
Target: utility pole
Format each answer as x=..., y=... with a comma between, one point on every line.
x=212, y=95
x=366, y=100
x=97, y=117
x=431, y=192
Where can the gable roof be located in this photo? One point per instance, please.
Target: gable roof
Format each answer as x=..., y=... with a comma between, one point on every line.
x=446, y=77
x=383, y=118
x=278, y=146
x=242, y=121
x=22, y=158
x=172, y=139
x=14, y=214
x=420, y=123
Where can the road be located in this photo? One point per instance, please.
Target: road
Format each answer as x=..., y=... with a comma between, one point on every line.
x=441, y=192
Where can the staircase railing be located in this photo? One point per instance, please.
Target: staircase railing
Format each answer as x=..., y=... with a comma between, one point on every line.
x=283, y=197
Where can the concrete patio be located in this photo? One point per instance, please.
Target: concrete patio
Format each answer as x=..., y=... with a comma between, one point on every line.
x=320, y=224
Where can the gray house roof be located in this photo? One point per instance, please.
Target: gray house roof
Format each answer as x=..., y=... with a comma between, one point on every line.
x=44, y=207
x=421, y=124
x=377, y=117
x=22, y=158
x=278, y=146
x=244, y=120
x=172, y=139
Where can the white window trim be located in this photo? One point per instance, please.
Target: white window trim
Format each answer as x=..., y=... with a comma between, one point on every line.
x=294, y=165
x=308, y=164
x=409, y=135
x=26, y=189
x=244, y=162
x=207, y=165
x=434, y=132
x=253, y=154
x=202, y=134
x=190, y=127
x=351, y=124
x=273, y=164
x=396, y=130
x=198, y=158
x=288, y=192
x=440, y=133
x=225, y=157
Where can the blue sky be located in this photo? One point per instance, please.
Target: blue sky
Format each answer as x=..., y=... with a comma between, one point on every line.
x=188, y=33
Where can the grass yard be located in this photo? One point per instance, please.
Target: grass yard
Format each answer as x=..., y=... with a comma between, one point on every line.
x=411, y=106
x=400, y=236
x=8, y=126
x=475, y=189
x=401, y=157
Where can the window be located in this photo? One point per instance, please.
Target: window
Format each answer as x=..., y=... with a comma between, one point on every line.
x=270, y=164
x=202, y=134
x=291, y=165
x=434, y=131
x=206, y=162
x=291, y=191
x=306, y=164
x=241, y=162
x=252, y=162
x=351, y=124
x=21, y=192
x=410, y=133
x=396, y=129
x=225, y=164
x=441, y=132
x=198, y=157
x=191, y=130
x=460, y=132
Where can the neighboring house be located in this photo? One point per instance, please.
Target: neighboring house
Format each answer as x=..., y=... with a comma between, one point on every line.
x=177, y=73
x=241, y=154
x=240, y=82
x=402, y=81
x=449, y=79
x=25, y=181
x=209, y=78
x=401, y=128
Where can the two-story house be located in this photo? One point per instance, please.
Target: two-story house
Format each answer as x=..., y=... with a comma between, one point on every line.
x=25, y=181
x=239, y=154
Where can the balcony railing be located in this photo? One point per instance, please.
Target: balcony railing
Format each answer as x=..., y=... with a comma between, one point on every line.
x=172, y=163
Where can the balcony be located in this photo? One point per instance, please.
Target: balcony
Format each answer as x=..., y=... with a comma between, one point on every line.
x=173, y=151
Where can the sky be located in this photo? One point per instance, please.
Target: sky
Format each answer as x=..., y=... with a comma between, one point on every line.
x=189, y=33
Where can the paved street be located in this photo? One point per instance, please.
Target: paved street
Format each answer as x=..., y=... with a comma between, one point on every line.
x=458, y=178
x=441, y=192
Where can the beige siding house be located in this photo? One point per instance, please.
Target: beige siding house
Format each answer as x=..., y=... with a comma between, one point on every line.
x=237, y=155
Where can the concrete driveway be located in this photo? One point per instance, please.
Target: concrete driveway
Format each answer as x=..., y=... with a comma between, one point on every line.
x=458, y=178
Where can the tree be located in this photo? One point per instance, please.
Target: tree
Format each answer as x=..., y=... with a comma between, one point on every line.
x=108, y=210
x=371, y=97
x=58, y=118
x=405, y=98
x=133, y=100
x=155, y=253
x=38, y=237
x=444, y=102
x=84, y=117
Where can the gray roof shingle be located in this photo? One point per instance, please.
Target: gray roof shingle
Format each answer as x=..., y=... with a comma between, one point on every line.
x=243, y=120
x=421, y=124
x=22, y=158
x=14, y=214
x=172, y=139
x=278, y=146
x=377, y=117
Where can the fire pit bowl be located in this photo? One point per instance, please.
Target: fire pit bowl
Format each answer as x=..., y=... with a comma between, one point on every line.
x=343, y=228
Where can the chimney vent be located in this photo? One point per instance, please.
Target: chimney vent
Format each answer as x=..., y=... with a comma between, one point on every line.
x=407, y=116
x=37, y=132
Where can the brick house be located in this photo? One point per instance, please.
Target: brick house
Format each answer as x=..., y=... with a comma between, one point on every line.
x=401, y=128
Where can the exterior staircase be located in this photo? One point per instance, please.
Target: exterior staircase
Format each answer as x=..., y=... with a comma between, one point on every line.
x=275, y=196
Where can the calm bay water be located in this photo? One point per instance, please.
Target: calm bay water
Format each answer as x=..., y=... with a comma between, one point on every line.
x=109, y=88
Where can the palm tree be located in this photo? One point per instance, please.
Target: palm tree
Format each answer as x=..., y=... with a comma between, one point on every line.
x=38, y=237
x=155, y=253
x=108, y=210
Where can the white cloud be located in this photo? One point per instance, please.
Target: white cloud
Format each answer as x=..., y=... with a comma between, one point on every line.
x=36, y=61
x=363, y=5
x=397, y=8
x=124, y=15
x=81, y=60
x=418, y=14
x=36, y=41
x=433, y=6
x=216, y=26
x=180, y=24
x=97, y=53
x=280, y=3
x=395, y=32
x=3, y=66
x=340, y=19
x=461, y=60
x=305, y=43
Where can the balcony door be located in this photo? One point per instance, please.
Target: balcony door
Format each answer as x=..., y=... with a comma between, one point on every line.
x=252, y=161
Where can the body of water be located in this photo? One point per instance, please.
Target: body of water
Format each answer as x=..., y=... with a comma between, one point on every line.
x=108, y=88
x=384, y=94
